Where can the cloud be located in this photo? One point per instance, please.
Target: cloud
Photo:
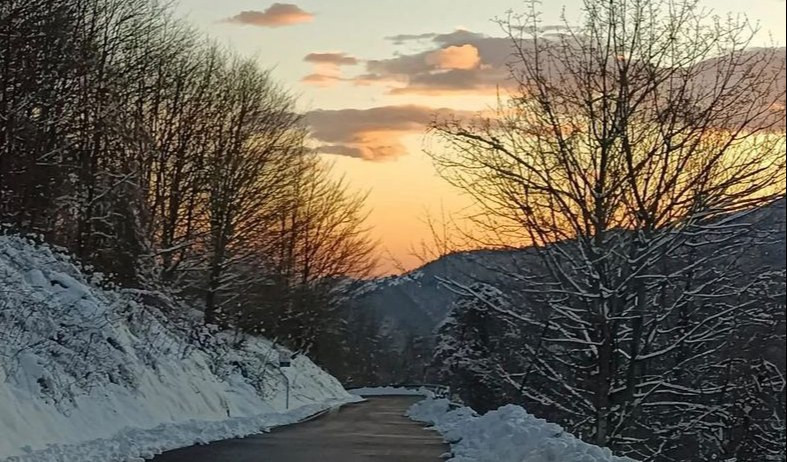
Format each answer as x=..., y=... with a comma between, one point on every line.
x=760, y=80
x=369, y=146
x=345, y=150
x=277, y=15
x=332, y=58
x=454, y=57
x=326, y=77
x=457, y=62
x=342, y=124
x=370, y=134
x=375, y=79
x=322, y=80
x=327, y=68
x=453, y=81
x=457, y=36
x=460, y=36
x=402, y=38
x=549, y=30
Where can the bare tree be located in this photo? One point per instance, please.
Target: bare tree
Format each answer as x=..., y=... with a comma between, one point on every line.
x=320, y=243
x=257, y=135
x=629, y=157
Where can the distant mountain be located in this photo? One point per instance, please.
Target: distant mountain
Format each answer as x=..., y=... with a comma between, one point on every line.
x=415, y=303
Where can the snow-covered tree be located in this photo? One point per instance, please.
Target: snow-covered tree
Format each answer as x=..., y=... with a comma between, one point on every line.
x=471, y=347
x=632, y=157
x=160, y=158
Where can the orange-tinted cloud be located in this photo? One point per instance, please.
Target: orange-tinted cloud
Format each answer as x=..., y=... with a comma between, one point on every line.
x=374, y=79
x=453, y=81
x=327, y=68
x=322, y=80
x=454, y=57
x=371, y=134
x=461, y=61
x=277, y=15
x=328, y=77
x=375, y=146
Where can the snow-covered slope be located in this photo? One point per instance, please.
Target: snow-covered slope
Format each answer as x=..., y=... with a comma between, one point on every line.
x=90, y=374
x=508, y=434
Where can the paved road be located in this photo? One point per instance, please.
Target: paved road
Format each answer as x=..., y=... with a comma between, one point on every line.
x=372, y=431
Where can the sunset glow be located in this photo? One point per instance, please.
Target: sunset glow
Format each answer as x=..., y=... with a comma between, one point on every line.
x=372, y=75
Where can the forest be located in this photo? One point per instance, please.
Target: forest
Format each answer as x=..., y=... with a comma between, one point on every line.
x=164, y=160
x=632, y=184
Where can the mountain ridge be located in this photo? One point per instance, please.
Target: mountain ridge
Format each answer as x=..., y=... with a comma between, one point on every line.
x=416, y=302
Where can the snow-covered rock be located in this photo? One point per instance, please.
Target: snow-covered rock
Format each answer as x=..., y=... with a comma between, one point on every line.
x=508, y=434
x=91, y=374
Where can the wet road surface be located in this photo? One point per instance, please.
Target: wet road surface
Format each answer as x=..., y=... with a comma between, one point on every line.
x=375, y=430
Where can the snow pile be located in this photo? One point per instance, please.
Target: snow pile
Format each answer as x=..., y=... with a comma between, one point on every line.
x=90, y=374
x=508, y=434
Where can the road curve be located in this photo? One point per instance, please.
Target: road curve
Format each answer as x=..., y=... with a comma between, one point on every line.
x=375, y=430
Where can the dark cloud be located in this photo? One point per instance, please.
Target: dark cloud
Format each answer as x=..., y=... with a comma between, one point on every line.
x=277, y=15
x=402, y=38
x=336, y=59
x=761, y=78
x=371, y=134
x=451, y=38
x=458, y=37
x=342, y=124
x=454, y=81
x=550, y=30
x=459, y=61
x=342, y=150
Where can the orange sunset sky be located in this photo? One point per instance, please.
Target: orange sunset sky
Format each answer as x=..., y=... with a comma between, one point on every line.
x=371, y=73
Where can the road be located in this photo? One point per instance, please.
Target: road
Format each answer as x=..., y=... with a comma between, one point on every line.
x=372, y=431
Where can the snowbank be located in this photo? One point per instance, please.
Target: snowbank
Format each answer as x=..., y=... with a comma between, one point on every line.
x=391, y=391
x=90, y=374
x=508, y=434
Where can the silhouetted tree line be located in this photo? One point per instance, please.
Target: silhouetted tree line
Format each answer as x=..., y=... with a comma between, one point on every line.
x=164, y=160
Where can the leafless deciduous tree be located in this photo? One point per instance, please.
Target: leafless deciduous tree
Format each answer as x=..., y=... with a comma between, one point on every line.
x=162, y=159
x=319, y=244
x=630, y=157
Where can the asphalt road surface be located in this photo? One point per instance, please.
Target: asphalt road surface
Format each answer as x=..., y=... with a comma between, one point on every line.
x=372, y=431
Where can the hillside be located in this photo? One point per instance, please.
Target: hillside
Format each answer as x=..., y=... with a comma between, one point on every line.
x=415, y=303
x=102, y=374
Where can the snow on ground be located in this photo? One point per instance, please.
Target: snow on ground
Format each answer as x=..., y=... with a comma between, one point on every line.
x=508, y=434
x=390, y=391
x=90, y=374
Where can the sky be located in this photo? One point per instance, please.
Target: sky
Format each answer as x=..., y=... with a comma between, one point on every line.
x=371, y=75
